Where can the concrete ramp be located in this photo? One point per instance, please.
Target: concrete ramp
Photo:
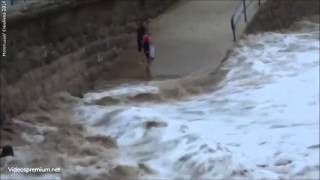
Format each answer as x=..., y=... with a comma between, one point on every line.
x=194, y=35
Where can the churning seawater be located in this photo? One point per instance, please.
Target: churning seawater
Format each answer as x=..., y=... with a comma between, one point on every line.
x=260, y=121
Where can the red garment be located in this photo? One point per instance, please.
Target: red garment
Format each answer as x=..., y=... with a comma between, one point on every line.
x=146, y=39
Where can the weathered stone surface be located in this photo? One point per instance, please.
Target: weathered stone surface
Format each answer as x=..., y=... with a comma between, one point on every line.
x=275, y=14
x=64, y=46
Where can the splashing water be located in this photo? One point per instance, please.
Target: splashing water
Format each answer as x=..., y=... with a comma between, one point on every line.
x=254, y=118
x=261, y=121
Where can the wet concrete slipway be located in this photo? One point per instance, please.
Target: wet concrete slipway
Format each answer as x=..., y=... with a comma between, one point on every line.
x=256, y=117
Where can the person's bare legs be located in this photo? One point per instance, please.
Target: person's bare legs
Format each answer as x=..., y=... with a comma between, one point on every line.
x=148, y=70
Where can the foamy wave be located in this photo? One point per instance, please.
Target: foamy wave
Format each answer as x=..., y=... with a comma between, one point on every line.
x=123, y=91
x=256, y=120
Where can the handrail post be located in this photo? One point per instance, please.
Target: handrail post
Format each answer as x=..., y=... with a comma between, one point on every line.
x=259, y=3
x=233, y=28
x=245, y=10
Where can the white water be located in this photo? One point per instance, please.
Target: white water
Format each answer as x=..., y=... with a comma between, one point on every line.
x=262, y=122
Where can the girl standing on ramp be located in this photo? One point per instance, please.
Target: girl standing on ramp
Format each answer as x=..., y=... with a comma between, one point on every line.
x=149, y=51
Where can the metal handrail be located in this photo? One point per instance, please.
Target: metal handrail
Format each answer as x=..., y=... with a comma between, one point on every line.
x=234, y=19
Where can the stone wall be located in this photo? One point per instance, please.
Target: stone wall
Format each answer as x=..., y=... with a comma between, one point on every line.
x=280, y=14
x=64, y=45
x=36, y=39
